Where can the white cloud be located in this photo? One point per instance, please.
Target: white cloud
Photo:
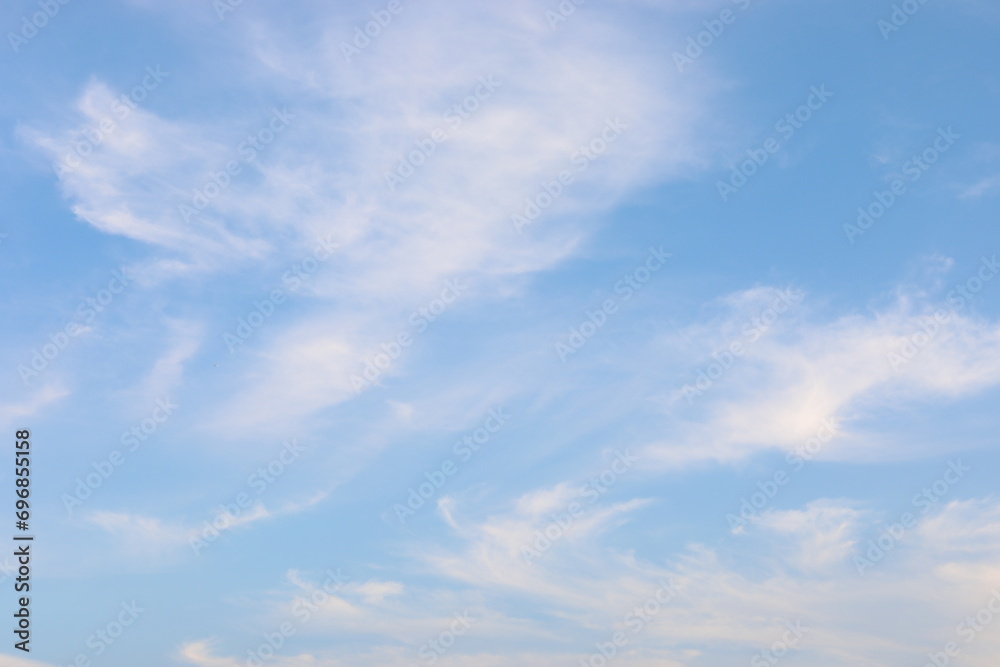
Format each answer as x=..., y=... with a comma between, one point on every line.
x=12, y=413
x=325, y=174
x=734, y=599
x=981, y=188
x=971, y=526
x=14, y=661
x=823, y=535
x=145, y=540
x=167, y=373
x=802, y=373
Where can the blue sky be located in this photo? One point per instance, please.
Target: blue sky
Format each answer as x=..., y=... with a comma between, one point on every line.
x=517, y=334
